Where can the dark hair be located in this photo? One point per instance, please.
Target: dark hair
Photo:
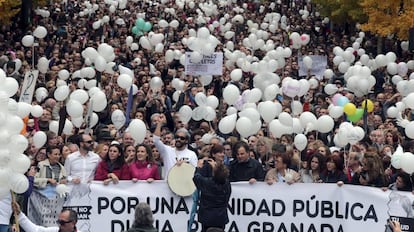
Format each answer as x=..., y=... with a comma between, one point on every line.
x=216, y=148
x=406, y=179
x=49, y=149
x=121, y=159
x=337, y=160
x=321, y=160
x=220, y=173
x=239, y=145
x=148, y=149
x=286, y=159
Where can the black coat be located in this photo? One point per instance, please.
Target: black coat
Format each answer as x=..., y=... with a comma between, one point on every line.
x=214, y=198
x=246, y=170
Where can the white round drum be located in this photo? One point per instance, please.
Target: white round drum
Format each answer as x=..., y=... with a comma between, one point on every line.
x=180, y=179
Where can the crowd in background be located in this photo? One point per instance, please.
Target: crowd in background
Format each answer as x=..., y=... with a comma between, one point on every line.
x=260, y=157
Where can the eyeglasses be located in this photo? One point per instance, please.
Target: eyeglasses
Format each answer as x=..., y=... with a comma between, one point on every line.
x=180, y=137
x=89, y=141
x=62, y=222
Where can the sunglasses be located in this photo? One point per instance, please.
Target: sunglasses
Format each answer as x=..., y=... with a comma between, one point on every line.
x=62, y=222
x=89, y=141
x=180, y=137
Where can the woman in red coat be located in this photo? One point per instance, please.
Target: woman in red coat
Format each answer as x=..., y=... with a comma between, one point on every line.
x=144, y=168
x=113, y=168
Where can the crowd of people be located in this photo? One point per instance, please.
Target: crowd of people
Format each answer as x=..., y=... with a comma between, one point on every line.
x=109, y=154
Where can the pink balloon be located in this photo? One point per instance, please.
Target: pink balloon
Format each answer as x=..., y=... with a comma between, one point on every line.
x=335, y=98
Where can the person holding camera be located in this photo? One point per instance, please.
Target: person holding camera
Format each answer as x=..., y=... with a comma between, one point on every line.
x=212, y=180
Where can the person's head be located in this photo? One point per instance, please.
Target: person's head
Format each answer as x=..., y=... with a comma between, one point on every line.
x=115, y=154
x=403, y=182
x=86, y=142
x=217, y=153
x=64, y=152
x=334, y=163
x=167, y=137
x=130, y=152
x=324, y=150
x=67, y=220
x=316, y=162
x=241, y=151
x=372, y=164
x=52, y=139
x=41, y=154
x=144, y=153
x=252, y=140
x=102, y=150
x=227, y=149
x=53, y=154
x=286, y=139
x=127, y=139
x=181, y=139
x=143, y=215
x=354, y=159
x=263, y=146
x=282, y=161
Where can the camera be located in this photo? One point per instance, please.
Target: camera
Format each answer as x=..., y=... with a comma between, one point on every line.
x=271, y=164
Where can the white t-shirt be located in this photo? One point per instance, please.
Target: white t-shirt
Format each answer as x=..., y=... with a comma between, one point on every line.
x=170, y=155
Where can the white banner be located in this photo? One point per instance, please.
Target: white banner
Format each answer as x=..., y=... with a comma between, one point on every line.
x=209, y=65
x=29, y=84
x=252, y=207
x=319, y=64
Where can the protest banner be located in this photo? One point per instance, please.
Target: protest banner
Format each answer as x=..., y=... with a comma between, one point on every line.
x=319, y=64
x=252, y=208
x=209, y=65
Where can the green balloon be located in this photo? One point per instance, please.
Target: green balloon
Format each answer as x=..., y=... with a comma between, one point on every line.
x=356, y=116
x=140, y=23
x=147, y=26
x=135, y=30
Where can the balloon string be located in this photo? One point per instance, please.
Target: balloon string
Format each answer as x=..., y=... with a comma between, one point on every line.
x=16, y=216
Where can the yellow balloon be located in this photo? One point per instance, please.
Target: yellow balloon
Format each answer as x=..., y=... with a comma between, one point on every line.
x=369, y=104
x=349, y=109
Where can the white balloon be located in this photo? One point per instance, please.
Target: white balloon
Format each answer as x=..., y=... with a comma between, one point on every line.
x=407, y=162
x=40, y=32
x=231, y=94
x=23, y=109
x=28, y=40
x=325, y=124
x=118, y=119
x=74, y=108
x=124, y=81
x=138, y=130
x=185, y=113
x=99, y=101
x=18, y=183
x=285, y=119
x=39, y=139
x=300, y=141
x=243, y=126
x=79, y=95
x=20, y=163
x=236, y=74
x=61, y=93
x=409, y=130
x=37, y=111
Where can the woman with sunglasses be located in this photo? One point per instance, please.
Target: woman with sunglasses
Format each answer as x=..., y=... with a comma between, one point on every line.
x=113, y=168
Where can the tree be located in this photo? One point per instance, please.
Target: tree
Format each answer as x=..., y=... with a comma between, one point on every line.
x=8, y=9
x=389, y=17
x=341, y=11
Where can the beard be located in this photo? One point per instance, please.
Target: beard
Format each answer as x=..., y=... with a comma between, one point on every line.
x=179, y=144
